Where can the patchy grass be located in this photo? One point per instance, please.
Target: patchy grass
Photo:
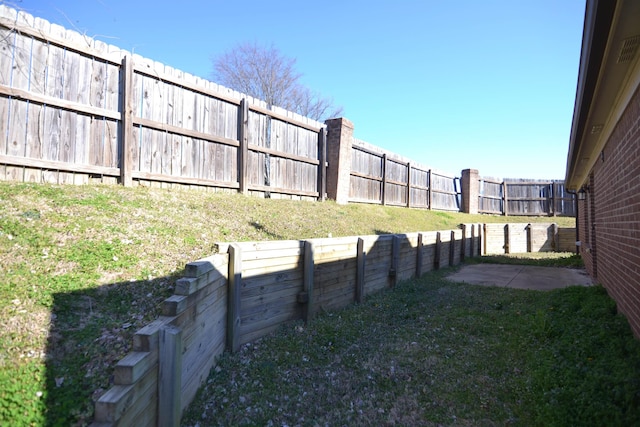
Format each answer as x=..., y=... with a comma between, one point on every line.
x=432, y=353
x=83, y=267
x=548, y=259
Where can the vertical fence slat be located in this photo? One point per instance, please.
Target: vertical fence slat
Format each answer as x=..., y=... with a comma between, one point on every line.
x=505, y=198
x=322, y=165
x=243, y=150
x=126, y=159
x=408, y=184
x=384, y=179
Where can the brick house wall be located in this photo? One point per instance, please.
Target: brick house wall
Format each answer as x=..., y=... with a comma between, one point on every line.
x=609, y=217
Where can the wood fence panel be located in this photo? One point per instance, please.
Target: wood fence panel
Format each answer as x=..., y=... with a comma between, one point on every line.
x=445, y=195
x=528, y=198
x=490, y=197
x=419, y=188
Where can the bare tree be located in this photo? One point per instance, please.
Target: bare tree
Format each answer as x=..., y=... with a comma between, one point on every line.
x=265, y=73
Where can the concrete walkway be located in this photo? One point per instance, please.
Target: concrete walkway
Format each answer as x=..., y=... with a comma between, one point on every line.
x=521, y=276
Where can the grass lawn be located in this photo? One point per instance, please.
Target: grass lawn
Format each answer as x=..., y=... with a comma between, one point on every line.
x=431, y=353
x=83, y=267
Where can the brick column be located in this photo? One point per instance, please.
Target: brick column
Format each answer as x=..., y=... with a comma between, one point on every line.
x=339, y=142
x=470, y=190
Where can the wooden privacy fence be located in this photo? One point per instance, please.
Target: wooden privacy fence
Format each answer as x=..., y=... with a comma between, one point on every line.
x=383, y=178
x=75, y=110
x=249, y=289
x=525, y=197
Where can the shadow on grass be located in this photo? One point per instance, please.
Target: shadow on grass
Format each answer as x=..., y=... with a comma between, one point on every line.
x=90, y=331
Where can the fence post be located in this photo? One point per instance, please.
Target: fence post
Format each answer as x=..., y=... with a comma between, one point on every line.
x=233, y=298
x=308, y=268
x=452, y=248
x=429, y=189
x=126, y=137
x=419, y=255
x=170, y=376
x=339, y=152
x=463, y=243
x=529, y=238
x=470, y=191
x=505, y=198
x=395, y=260
x=408, y=184
x=481, y=240
x=243, y=149
x=473, y=240
x=360, y=260
x=384, y=179
x=507, y=240
x=436, y=257
x=322, y=164
x=484, y=240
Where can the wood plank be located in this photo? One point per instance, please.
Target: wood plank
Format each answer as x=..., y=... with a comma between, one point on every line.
x=285, y=298
x=46, y=164
x=55, y=38
x=116, y=402
x=170, y=377
x=233, y=310
x=133, y=366
x=308, y=284
x=145, y=411
x=181, y=179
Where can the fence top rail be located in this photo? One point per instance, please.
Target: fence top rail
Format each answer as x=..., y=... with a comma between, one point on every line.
x=25, y=23
x=491, y=180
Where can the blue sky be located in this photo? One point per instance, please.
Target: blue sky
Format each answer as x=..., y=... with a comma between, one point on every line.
x=488, y=85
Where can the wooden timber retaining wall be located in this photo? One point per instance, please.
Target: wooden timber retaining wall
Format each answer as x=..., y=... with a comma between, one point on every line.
x=522, y=237
x=249, y=289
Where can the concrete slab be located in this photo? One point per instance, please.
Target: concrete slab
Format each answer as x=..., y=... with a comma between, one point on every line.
x=521, y=276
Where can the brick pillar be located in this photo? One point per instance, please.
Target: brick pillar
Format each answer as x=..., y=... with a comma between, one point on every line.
x=470, y=190
x=339, y=141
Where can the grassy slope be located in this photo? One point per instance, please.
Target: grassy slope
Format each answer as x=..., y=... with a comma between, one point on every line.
x=82, y=268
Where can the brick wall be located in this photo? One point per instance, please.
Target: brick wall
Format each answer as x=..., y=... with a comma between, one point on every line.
x=612, y=214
